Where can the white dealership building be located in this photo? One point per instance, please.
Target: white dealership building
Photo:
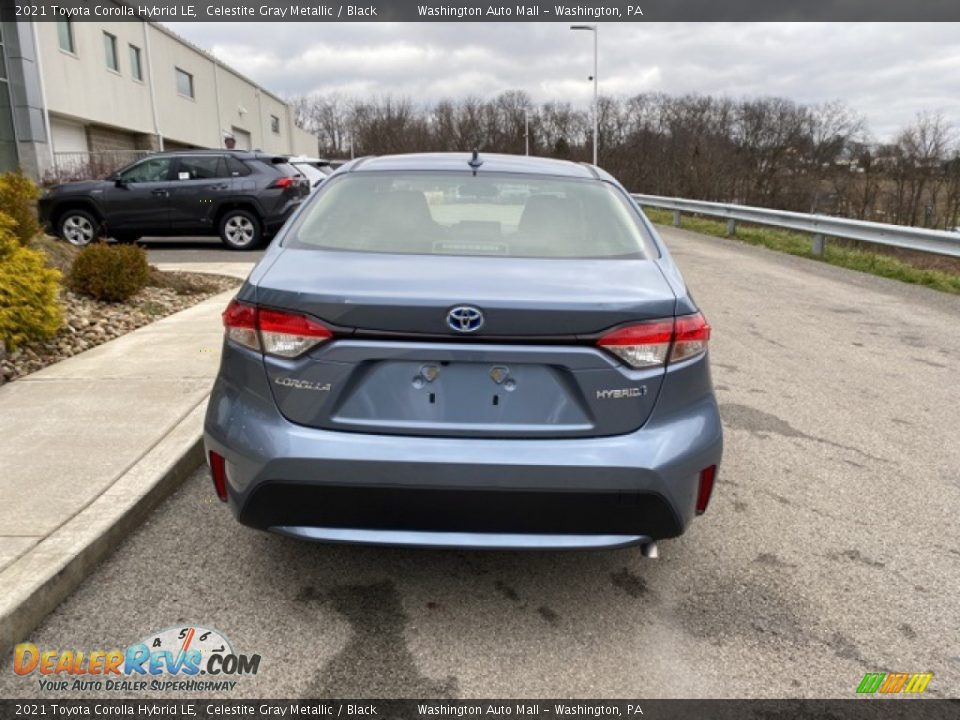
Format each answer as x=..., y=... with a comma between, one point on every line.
x=83, y=97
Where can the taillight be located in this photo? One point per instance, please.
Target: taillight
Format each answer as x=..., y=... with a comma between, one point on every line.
x=288, y=334
x=657, y=342
x=705, y=489
x=641, y=345
x=274, y=332
x=240, y=324
x=690, y=336
x=218, y=471
x=283, y=182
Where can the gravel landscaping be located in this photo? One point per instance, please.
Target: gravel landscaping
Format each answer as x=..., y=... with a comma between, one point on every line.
x=88, y=323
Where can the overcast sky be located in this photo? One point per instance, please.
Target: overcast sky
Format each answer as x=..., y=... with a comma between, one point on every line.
x=886, y=71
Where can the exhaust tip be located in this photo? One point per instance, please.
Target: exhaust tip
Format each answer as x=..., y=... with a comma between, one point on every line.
x=650, y=550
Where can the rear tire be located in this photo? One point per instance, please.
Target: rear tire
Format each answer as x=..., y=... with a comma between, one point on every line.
x=240, y=230
x=78, y=227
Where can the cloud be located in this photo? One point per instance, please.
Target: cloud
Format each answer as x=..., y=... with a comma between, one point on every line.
x=886, y=71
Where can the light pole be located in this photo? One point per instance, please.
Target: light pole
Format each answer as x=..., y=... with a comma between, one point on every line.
x=526, y=130
x=596, y=97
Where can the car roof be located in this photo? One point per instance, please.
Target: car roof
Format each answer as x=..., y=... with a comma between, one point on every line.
x=307, y=159
x=240, y=154
x=491, y=163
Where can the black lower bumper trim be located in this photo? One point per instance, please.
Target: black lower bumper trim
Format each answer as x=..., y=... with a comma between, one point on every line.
x=456, y=510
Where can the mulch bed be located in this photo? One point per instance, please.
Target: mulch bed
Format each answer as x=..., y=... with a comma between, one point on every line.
x=88, y=323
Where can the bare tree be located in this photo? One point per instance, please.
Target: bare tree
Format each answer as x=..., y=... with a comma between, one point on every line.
x=764, y=151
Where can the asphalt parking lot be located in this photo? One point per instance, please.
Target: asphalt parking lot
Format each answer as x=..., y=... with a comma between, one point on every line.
x=830, y=548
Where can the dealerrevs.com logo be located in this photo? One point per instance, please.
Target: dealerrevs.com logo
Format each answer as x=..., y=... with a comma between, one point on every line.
x=180, y=659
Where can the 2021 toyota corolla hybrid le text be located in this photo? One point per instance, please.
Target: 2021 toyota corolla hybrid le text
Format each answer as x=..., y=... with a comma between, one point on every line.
x=463, y=350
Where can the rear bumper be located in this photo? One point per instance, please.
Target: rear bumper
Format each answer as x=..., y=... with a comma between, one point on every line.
x=480, y=541
x=356, y=487
x=313, y=509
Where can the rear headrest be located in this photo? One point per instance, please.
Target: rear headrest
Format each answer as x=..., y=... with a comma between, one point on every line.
x=405, y=206
x=547, y=214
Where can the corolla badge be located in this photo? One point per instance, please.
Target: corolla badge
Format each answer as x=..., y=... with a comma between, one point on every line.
x=302, y=384
x=465, y=319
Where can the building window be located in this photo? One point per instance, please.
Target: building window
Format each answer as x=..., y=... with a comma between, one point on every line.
x=275, y=124
x=9, y=158
x=65, y=35
x=136, y=68
x=184, y=83
x=110, y=51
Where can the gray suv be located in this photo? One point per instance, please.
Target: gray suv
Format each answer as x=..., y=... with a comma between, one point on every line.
x=455, y=350
x=241, y=196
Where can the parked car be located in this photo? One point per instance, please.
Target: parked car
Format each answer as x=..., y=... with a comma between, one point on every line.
x=525, y=371
x=240, y=196
x=314, y=169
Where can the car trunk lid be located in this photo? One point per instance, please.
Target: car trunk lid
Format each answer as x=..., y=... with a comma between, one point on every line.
x=396, y=366
x=412, y=294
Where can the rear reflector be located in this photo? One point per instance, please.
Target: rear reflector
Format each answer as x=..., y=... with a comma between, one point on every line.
x=653, y=343
x=275, y=332
x=218, y=471
x=707, y=476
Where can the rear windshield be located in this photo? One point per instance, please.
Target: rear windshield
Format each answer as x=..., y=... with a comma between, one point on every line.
x=285, y=169
x=278, y=165
x=459, y=214
x=309, y=171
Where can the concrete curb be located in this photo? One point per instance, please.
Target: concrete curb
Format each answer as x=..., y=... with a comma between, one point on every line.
x=37, y=582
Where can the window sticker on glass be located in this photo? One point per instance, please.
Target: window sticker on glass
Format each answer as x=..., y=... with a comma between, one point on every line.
x=183, y=175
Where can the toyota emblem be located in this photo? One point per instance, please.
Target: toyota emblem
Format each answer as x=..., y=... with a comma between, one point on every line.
x=465, y=319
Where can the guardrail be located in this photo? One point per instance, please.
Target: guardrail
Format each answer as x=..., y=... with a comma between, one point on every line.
x=820, y=227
